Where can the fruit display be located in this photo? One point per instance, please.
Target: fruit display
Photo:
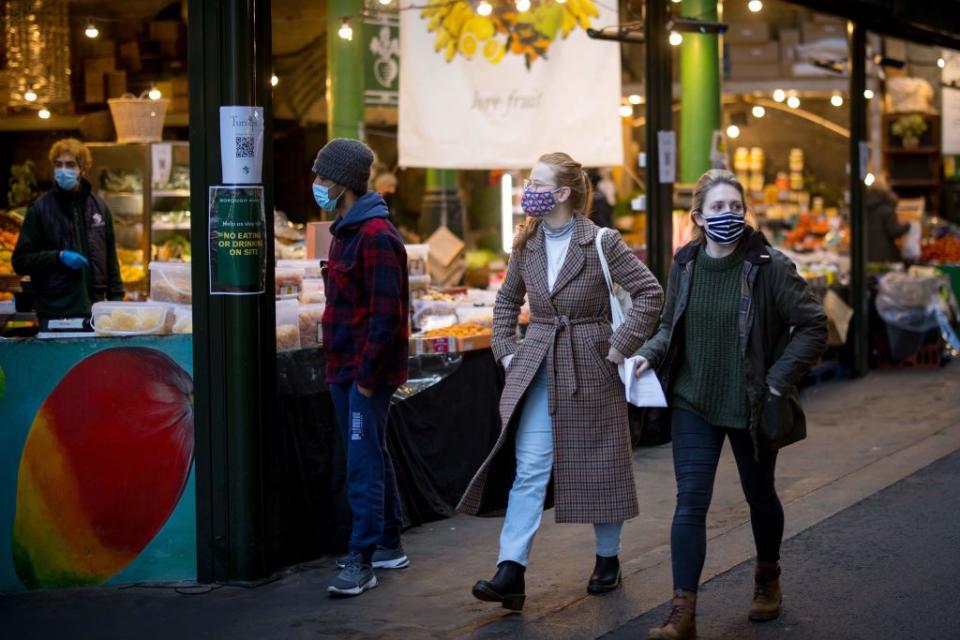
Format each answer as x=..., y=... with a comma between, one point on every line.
x=101, y=472
x=945, y=250
x=175, y=247
x=288, y=337
x=311, y=321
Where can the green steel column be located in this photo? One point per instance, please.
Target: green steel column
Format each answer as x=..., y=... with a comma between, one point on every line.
x=659, y=90
x=700, y=97
x=345, y=70
x=441, y=179
x=858, y=221
x=234, y=336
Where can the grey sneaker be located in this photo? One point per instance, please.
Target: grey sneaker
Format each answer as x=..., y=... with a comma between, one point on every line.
x=355, y=578
x=383, y=558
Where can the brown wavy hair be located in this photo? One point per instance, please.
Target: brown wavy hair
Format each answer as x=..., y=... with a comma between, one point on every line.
x=569, y=173
x=708, y=181
x=75, y=148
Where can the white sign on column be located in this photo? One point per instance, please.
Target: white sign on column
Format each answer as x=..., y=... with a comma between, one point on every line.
x=241, y=144
x=951, y=102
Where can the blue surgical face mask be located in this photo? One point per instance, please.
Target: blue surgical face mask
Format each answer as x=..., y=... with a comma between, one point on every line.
x=66, y=179
x=724, y=228
x=322, y=195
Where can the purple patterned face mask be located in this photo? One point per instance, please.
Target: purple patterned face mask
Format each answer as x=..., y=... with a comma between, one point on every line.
x=538, y=204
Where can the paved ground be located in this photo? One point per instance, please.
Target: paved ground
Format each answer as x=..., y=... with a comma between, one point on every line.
x=864, y=436
x=886, y=568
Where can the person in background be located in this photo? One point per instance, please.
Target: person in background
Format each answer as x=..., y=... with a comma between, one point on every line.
x=883, y=227
x=740, y=329
x=602, y=209
x=365, y=338
x=386, y=185
x=67, y=244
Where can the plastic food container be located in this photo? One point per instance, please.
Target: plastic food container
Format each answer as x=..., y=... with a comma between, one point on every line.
x=130, y=318
x=289, y=281
x=313, y=291
x=419, y=286
x=170, y=282
x=417, y=255
x=311, y=268
x=180, y=318
x=311, y=325
x=288, y=325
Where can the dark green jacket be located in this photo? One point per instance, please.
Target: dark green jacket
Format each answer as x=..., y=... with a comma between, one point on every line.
x=76, y=221
x=783, y=332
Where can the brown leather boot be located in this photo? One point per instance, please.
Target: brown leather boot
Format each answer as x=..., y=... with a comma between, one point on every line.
x=767, y=596
x=681, y=624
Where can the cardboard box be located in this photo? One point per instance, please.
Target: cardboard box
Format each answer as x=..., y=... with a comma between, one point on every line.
x=753, y=53
x=789, y=41
x=816, y=31
x=754, y=70
x=475, y=343
x=747, y=33
x=839, y=314
x=420, y=345
x=116, y=84
x=445, y=247
x=94, y=88
x=130, y=55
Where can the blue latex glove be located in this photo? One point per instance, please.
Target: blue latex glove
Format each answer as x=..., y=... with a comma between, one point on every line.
x=73, y=259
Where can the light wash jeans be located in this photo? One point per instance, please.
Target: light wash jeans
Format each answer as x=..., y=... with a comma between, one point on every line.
x=534, y=451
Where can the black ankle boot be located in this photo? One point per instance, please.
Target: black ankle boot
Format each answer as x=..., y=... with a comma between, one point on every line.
x=506, y=587
x=606, y=576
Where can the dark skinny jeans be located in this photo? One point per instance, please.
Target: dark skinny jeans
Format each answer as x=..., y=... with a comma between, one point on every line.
x=696, y=451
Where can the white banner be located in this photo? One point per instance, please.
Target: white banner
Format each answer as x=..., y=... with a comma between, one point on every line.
x=951, y=103
x=499, y=91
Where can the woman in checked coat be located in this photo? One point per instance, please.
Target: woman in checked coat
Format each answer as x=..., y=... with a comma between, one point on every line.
x=563, y=409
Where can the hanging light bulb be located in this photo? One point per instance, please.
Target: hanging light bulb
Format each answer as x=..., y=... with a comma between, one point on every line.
x=635, y=99
x=941, y=63
x=759, y=112
x=676, y=39
x=836, y=100
x=733, y=131
x=869, y=179
x=30, y=95
x=44, y=113
x=755, y=6
x=154, y=93
x=523, y=6
x=793, y=102
x=626, y=111
x=484, y=8
x=386, y=3
x=274, y=80
x=561, y=1
x=779, y=95
x=91, y=31
x=868, y=94
x=346, y=31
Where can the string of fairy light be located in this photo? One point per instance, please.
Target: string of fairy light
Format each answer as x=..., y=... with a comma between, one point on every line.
x=482, y=8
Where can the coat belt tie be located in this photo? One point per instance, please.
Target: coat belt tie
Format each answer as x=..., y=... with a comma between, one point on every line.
x=563, y=339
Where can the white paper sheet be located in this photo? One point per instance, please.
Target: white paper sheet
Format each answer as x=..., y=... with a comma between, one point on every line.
x=644, y=391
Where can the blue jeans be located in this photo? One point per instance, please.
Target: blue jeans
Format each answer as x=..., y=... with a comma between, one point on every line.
x=534, y=451
x=371, y=481
x=696, y=452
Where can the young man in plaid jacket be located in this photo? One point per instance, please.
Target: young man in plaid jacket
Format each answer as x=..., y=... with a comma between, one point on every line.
x=365, y=334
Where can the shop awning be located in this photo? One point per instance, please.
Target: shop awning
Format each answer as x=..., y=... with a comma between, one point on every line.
x=932, y=22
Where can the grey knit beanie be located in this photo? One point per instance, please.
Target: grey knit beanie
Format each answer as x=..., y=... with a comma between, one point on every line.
x=346, y=162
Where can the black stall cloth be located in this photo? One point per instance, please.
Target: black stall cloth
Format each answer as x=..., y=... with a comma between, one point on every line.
x=437, y=440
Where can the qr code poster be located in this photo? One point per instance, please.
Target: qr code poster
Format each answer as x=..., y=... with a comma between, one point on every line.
x=241, y=144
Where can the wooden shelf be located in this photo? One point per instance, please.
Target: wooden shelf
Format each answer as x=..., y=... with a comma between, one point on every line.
x=171, y=193
x=915, y=151
x=914, y=183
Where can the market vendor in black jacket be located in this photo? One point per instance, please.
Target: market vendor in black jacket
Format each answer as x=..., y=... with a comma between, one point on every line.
x=67, y=245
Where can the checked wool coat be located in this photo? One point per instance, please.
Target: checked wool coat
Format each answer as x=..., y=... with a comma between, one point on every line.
x=570, y=330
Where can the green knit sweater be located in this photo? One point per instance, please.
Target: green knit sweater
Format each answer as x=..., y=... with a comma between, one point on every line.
x=710, y=380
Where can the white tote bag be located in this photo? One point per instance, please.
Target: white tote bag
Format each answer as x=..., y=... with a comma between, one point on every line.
x=644, y=391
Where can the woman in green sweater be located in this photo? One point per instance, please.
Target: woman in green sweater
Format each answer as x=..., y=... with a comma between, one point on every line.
x=739, y=330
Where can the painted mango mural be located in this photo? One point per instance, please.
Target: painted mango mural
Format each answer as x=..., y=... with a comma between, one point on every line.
x=103, y=489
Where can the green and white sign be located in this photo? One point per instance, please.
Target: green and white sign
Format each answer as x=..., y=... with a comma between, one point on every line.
x=381, y=35
x=237, y=240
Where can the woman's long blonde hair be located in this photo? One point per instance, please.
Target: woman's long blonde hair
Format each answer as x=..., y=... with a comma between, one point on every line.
x=569, y=173
x=708, y=181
